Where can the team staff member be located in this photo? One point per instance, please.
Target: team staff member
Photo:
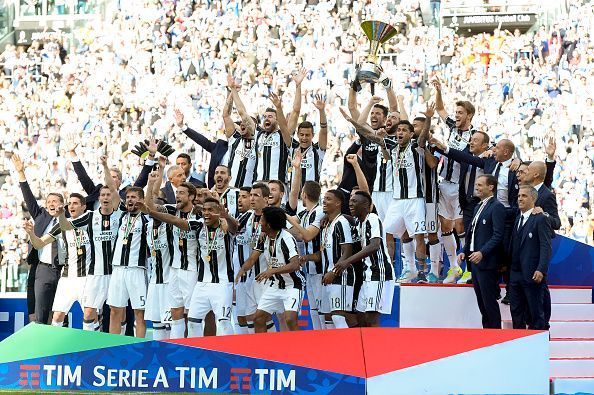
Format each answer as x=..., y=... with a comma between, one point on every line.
x=483, y=237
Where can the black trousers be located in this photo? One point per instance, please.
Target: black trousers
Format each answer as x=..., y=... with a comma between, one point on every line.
x=526, y=303
x=486, y=288
x=46, y=282
x=31, y=289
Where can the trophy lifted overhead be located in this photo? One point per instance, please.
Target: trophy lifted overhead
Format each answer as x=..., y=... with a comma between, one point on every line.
x=378, y=33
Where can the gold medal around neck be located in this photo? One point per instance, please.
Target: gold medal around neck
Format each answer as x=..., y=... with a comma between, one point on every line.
x=124, y=241
x=154, y=253
x=208, y=258
x=181, y=242
x=79, y=251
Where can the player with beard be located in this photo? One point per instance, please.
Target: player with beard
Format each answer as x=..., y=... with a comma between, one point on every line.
x=406, y=214
x=184, y=270
x=241, y=252
x=251, y=225
x=312, y=154
x=75, y=255
x=130, y=257
x=227, y=195
x=214, y=289
x=277, y=193
x=306, y=228
x=100, y=227
x=450, y=214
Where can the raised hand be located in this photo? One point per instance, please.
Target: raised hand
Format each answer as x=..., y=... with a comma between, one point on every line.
x=436, y=84
x=231, y=84
x=299, y=76
x=18, y=163
x=70, y=143
x=375, y=100
x=162, y=162
x=320, y=102
x=352, y=159
x=437, y=143
x=276, y=99
x=179, y=117
x=381, y=133
x=153, y=177
x=551, y=148
x=428, y=113
x=152, y=146
x=28, y=226
x=103, y=160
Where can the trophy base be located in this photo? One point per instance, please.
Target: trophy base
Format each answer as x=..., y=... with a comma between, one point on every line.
x=369, y=72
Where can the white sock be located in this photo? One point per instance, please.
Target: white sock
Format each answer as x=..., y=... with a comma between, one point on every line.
x=250, y=327
x=435, y=256
x=322, y=320
x=339, y=321
x=158, y=331
x=178, y=327
x=195, y=328
x=234, y=322
x=123, y=328
x=329, y=324
x=408, y=256
x=224, y=327
x=242, y=329
x=270, y=327
x=58, y=324
x=449, y=245
x=315, y=321
x=97, y=326
x=88, y=326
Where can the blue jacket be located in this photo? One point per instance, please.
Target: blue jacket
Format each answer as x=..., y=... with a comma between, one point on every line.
x=531, y=247
x=488, y=234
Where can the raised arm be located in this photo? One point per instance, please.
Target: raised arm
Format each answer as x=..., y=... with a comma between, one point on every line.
x=424, y=136
x=550, y=162
x=196, y=137
x=245, y=117
x=352, y=103
x=227, y=121
x=294, y=116
x=286, y=133
x=441, y=111
x=85, y=181
x=363, y=129
x=320, y=104
x=30, y=200
x=367, y=109
x=361, y=180
x=148, y=164
x=154, y=185
x=296, y=180
x=115, y=196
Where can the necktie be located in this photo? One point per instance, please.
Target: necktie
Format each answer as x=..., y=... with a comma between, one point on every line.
x=497, y=170
x=470, y=183
x=54, y=246
x=521, y=223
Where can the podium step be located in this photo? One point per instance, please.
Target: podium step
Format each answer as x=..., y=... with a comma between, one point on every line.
x=575, y=367
x=571, y=348
x=571, y=386
x=572, y=311
x=565, y=329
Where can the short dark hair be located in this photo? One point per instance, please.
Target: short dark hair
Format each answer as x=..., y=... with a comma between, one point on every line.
x=263, y=187
x=338, y=194
x=58, y=195
x=313, y=190
x=104, y=187
x=212, y=200
x=226, y=168
x=305, y=125
x=383, y=108
x=138, y=190
x=279, y=183
x=486, y=138
x=270, y=109
x=275, y=217
x=190, y=187
x=245, y=189
x=80, y=197
x=411, y=128
x=185, y=156
x=366, y=195
x=420, y=119
x=491, y=181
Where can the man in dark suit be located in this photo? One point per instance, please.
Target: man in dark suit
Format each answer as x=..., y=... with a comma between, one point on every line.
x=45, y=268
x=483, y=237
x=175, y=177
x=530, y=255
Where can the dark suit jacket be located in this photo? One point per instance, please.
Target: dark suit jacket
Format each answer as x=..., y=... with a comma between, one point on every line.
x=93, y=190
x=168, y=193
x=548, y=202
x=488, y=233
x=41, y=218
x=196, y=182
x=217, y=151
x=531, y=247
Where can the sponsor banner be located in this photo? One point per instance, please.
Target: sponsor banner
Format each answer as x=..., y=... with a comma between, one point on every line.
x=166, y=367
x=491, y=21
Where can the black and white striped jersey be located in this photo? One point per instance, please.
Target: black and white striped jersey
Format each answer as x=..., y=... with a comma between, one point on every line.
x=75, y=253
x=131, y=244
x=249, y=232
x=160, y=239
x=311, y=162
x=450, y=170
x=102, y=232
x=241, y=160
x=337, y=232
x=185, y=243
x=408, y=167
x=243, y=243
x=431, y=182
x=383, y=173
x=215, y=264
x=229, y=200
x=271, y=156
x=309, y=218
x=378, y=266
x=277, y=252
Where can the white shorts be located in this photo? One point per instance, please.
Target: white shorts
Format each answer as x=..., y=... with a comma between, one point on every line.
x=211, y=296
x=406, y=215
x=376, y=296
x=96, y=289
x=254, y=291
x=241, y=299
x=431, y=220
x=449, y=205
x=314, y=290
x=127, y=282
x=274, y=300
x=180, y=287
x=382, y=201
x=69, y=290
x=157, y=308
x=337, y=297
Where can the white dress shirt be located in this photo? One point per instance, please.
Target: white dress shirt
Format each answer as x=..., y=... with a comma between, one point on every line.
x=502, y=182
x=481, y=207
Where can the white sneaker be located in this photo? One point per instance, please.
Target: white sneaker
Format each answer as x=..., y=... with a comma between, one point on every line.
x=465, y=277
x=406, y=277
x=453, y=275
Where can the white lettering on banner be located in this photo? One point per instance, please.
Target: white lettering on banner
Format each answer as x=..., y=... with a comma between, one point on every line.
x=494, y=18
x=189, y=377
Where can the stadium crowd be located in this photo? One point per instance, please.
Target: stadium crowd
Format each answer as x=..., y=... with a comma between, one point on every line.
x=159, y=69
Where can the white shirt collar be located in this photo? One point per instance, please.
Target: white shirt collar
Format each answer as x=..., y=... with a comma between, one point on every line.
x=507, y=163
x=527, y=214
x=538, y=186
